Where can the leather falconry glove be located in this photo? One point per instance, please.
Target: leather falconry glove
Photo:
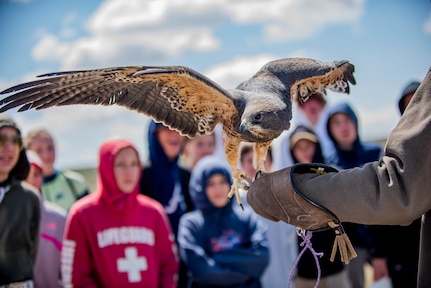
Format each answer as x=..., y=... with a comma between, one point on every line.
x=276, y=197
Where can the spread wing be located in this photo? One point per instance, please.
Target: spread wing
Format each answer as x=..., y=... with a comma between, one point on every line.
x=181, y=98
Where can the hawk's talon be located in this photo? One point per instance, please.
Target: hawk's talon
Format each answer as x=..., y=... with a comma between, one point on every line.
x=234, y=189
x=258, y=174
x=304, y=99
x=243, y=176
x=243, y=186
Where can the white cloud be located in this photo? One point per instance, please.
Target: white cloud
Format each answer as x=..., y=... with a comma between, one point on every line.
x=127, y=49
x=126, y=32
x=319, y=14
x=117, y=16
x=294, y=19
x=151, y=32
x=230, y=74
x=50, y=48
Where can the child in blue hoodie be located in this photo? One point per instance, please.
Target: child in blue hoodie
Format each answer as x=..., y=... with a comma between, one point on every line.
x=221, y=245
x=351, y=152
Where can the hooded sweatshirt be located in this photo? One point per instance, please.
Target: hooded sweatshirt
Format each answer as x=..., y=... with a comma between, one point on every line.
x=165, y=181
x=361, y=153
x=222, y=247
x=19, y=218
x=117, y=239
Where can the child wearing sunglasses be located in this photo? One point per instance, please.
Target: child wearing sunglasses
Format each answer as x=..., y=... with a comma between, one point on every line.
x=19, y=210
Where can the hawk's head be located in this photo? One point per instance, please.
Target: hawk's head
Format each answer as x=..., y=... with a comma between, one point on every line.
x=262, y=122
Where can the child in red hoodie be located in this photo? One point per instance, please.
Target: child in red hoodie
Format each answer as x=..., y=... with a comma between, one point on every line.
x=116, y=237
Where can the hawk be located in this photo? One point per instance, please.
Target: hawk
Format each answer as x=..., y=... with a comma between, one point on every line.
x=256, y=111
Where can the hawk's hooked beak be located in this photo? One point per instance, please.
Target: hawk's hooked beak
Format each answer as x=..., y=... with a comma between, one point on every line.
x=244, y=126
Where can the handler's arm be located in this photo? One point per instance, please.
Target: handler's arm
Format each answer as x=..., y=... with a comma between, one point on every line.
x=395, y=190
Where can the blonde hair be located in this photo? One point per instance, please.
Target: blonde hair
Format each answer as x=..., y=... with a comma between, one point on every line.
x=34, y=134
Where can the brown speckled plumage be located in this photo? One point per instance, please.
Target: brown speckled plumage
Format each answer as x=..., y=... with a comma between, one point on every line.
x=258, y=110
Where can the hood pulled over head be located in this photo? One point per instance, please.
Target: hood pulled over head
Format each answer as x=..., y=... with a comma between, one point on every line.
x=107, y=186
x=204, y=169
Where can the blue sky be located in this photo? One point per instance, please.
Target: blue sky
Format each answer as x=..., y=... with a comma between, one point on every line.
x=389, y=42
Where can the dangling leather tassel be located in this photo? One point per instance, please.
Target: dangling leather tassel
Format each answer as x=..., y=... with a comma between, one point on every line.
x=342, y=242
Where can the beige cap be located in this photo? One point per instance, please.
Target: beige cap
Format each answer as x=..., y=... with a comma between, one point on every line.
x=302, y=135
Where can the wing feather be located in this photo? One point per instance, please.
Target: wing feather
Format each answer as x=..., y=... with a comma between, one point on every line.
x=181, y=98
x=302, y=77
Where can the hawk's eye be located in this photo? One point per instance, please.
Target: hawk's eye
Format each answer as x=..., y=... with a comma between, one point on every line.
x=258, y=117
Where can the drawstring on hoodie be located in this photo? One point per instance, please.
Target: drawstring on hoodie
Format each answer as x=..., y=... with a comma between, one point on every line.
x=306, y=236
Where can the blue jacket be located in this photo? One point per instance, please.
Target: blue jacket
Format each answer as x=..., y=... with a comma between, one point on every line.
x=165, y=181
x=222, y=247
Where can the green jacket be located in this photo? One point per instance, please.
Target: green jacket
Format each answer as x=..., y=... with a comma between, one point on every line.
x=64, y=188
